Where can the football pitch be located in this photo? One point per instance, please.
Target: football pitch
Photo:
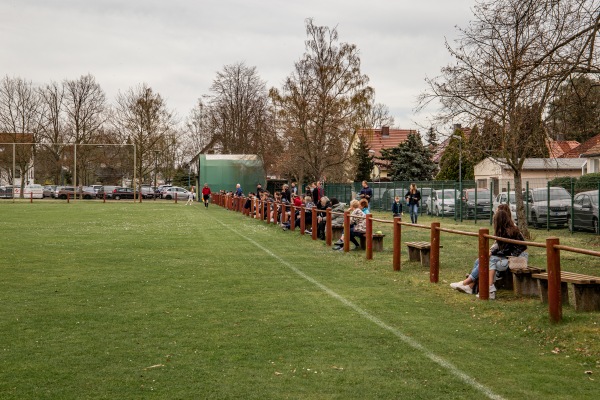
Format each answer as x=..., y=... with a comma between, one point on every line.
x=160, y=300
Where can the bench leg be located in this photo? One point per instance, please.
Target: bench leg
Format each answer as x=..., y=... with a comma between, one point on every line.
x=414, y=254
x=363, y=242
x=378, y=244
x=425, y=257
x=505, y=282
x=525, y=285
x=587, y=297
x=543, y=290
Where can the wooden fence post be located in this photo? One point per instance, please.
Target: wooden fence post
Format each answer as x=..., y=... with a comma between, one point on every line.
x=302, y=220
x=397, y=243
x=314, y=223
x=369, y=236
x=292, y=217
x=328, y=229
x=434, y=253
x=346, y=231
x=553, y=266
x=484, y=264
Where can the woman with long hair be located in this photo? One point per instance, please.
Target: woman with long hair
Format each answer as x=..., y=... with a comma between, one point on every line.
x=413, y=197
x=504, y=227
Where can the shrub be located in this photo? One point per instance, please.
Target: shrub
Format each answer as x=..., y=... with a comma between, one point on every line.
x=563, y=181
x=587, y=182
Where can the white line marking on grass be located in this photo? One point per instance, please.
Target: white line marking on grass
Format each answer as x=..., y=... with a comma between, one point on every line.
x=406, y=339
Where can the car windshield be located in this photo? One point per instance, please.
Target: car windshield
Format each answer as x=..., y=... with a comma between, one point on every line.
x=555, y=194
x=446, y=194
x=512, y=198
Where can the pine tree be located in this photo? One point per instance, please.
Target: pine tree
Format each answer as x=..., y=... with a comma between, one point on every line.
x=432, y=139
x=409, y=161
x=364, y=160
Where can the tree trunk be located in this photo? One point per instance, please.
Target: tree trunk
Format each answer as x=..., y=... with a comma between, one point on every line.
x=521, y=214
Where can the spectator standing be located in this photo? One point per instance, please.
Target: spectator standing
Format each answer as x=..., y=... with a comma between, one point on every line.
x=238, y=190
x=286, y=193
x=413, y=197
x=259, y=190
x=366, y=192
x=294, y=188
x=317, y=192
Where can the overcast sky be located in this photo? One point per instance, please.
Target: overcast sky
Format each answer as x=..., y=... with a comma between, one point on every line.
x=177, y=46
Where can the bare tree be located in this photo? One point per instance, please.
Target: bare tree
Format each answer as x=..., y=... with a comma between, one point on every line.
x=197, y=133
x=378, y=115
x=20, y=122
x=508, y=65
x=53, y=128
x=142, y=118
x=85, y=110
x=322, y=103
x=240, y=116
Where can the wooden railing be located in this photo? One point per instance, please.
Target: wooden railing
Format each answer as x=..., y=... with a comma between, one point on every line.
x=552, y=245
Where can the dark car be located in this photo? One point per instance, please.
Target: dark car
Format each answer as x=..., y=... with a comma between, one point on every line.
x=119, y=193
x=476, y=203
x=69, y=191
x=6, y=192
x=585, y=212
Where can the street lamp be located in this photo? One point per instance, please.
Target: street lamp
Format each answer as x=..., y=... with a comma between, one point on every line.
x=460, y=139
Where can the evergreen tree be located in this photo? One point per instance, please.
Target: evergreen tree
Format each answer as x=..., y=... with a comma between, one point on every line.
x=364, y=160
x=432, y=139
x=409, y=161
x=449, y=163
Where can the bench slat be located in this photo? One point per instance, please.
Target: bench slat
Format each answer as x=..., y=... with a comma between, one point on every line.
x=572, y=277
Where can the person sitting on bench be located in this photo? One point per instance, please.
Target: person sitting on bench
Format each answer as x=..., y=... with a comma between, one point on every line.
x=503, y=227
x=358, y=226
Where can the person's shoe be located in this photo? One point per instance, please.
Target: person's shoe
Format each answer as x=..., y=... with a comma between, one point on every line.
x=455, y=285
x=339, y=243
x=492, y=292
x=308, y=231
x=465, y=289
x=337, y=248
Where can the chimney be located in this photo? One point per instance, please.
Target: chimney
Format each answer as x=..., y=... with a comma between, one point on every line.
x=385, y=131
x=456, y=126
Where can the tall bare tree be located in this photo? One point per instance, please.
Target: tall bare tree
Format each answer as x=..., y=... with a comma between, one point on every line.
x=240, y=116
x=197, y=133
x=86, y=112
x=142, y=118
x=322, y=103
x=53, y=132
x=20, y=122
x=508, y=64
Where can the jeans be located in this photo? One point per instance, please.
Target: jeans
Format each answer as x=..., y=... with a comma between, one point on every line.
x=498, y=264
x=413, y=210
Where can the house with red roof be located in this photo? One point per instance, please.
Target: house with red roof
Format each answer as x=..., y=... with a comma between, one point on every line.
x=590, y=150
x=383, y=138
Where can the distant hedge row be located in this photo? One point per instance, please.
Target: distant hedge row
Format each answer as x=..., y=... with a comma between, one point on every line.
x=581, y=184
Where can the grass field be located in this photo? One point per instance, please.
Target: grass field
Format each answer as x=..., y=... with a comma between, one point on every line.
x=159, y=300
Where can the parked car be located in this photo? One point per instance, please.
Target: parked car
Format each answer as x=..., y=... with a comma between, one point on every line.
x=476, y=203
x=86, y=192
x=55, y=192
x=33, y=191
x=6, y=192
x=442, y=202
x=170, y=193
x=506, y=198
x=108, y=189
x=584, y=214
x=119, y=193
x=559, y=201
x=161, y=189
x=96, y=188
x=147, y=192
x=49, y=190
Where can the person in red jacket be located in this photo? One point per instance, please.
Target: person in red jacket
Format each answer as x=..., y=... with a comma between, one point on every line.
x=206, y=194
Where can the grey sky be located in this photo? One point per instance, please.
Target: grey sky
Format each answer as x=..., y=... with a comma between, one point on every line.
x=177, y=46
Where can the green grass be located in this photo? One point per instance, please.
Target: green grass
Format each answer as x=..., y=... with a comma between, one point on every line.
x=157, y=300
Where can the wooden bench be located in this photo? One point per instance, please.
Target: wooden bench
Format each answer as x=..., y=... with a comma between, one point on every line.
x=524, y=284
x=377, y=242
x=586, y=289
x=336, y=232
x=419, y=251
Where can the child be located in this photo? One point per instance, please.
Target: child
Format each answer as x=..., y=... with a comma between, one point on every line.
x=190, y=200
x=364, y=205
x=397, y=207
